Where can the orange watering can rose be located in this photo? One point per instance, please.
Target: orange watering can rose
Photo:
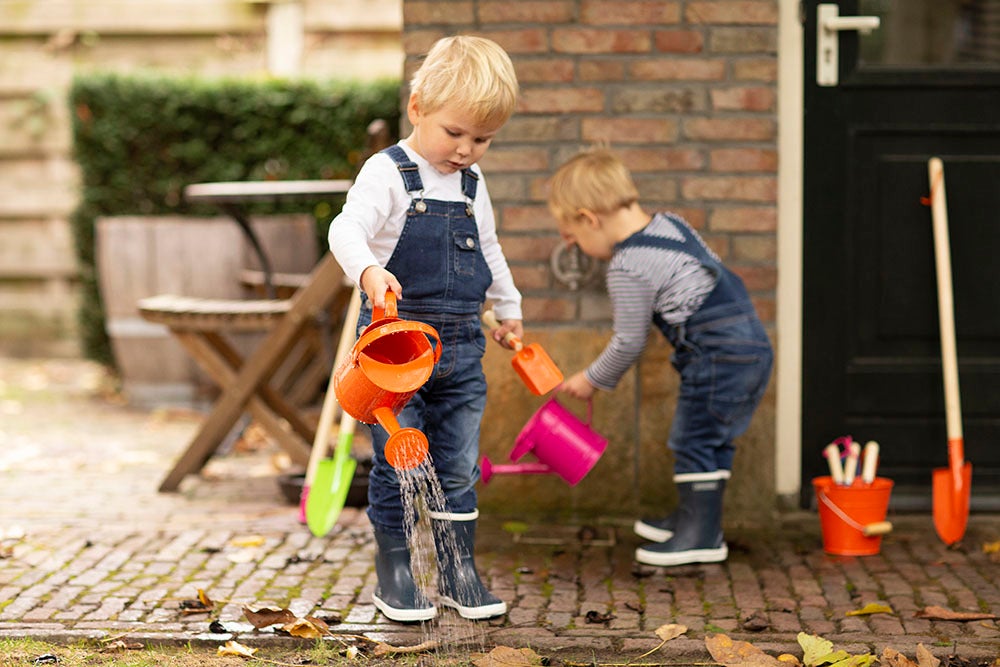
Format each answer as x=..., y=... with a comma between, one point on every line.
x=391, y=360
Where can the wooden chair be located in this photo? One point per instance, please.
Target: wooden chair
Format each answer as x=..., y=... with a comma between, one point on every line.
x=204, y=328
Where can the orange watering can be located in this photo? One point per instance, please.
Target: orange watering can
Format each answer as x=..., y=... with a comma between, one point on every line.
x=390, y=361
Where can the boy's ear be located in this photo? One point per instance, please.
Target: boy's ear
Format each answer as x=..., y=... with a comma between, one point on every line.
x=413, y=109
x=588, y=217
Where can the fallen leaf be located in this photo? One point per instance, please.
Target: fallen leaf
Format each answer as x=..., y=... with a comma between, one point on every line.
x=597, y=617
x=242, y=556
x=261, y=618
x=739, y=653
x=388, y=649
x=893, y=658
x=306, y=628
x=935, y=613
x=670, y=631
x=505, y=656
x=813, y=648
x=871, y=608
x=789, y=659
x=235, y=648
x=925, y=658
x=119, y=645
x=861, y=660
x=248, y=541
x=991, y=547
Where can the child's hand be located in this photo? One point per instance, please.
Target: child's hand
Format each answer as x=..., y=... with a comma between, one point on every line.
x=578, y=387
x=508, y=327
x=375, y=281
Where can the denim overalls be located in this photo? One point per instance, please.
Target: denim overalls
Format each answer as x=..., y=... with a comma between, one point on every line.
x=444, y=275
x=724, y=359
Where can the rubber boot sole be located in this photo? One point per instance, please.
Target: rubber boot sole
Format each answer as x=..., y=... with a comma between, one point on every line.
x=651, y=532
x=404, y=615
x=670, y=558
x=474, y=613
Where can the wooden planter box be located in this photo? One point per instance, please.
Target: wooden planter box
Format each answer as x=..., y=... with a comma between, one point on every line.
x=141, y=256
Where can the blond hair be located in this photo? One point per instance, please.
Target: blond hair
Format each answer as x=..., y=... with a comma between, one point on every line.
x=594, y=179
x=474, y=73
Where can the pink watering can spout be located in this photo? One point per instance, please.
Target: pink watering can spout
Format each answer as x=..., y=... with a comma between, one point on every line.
x=562, y=443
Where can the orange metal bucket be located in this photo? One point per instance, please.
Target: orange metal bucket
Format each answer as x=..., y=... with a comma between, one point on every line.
x=390, y=361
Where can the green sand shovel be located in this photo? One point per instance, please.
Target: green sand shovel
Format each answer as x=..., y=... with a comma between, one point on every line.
x=326, y=492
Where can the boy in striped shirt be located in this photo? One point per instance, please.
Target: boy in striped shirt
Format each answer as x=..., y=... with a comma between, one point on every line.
x=661, y=272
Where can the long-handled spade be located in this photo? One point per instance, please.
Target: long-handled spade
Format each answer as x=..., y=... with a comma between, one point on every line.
x=952, y=485
x=328, y=480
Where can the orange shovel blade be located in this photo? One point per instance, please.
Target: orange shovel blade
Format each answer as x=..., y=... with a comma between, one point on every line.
x=951, y=503
x=537, y=370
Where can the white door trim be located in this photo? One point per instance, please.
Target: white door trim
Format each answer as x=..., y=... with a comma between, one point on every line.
x=788, y=411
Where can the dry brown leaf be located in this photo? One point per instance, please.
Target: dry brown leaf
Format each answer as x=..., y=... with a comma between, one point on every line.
x=925, y=658
x=236, y=648
x=261, y=618
x=307, y=628
x=247, y=541
x=935, y=613
x=731, y=653
x=505, y=656
x=670, y=631
x=893, y=658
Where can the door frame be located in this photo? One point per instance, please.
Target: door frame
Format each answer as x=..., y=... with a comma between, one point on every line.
x=789, y=325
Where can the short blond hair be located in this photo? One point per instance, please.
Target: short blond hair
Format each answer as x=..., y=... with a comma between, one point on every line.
x=472, y=72
x=594, y=179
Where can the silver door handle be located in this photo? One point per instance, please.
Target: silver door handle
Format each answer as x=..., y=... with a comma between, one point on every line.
x=829, y=23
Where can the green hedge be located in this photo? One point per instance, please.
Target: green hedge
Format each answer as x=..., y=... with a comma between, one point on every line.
x=138, y=140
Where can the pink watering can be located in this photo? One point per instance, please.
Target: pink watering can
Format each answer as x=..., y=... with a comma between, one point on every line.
x=562, y=443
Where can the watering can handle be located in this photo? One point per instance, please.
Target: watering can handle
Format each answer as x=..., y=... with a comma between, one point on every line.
x=398, y=326
x=389, y=310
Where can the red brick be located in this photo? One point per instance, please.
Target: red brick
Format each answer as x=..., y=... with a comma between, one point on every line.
x=534, y=277
x=730, y=129
x=525, y=11
x=530, y=248
x=580, y=40
x=527, y=218
x=679, y=41
x=544, y=70
x=450, y=13
x=561, y=100
x=737, y=12
x=629, y=130
x=754, y=248
x=694, y=216
x=757, y=277
x=756, y=70
x=624, y=12
x=515, y=159
x=766, y=308
x=419, y=42
x=743, y=159
x=744, y=98
x=678, y=69
x=744, y=219
x=524, y=40
x=662, y=159
x=601, y=70
x=538, y=309
x=743, y=188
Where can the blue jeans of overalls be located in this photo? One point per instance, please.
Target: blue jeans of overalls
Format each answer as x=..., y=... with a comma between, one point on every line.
x=724, y=358
x=444, y=275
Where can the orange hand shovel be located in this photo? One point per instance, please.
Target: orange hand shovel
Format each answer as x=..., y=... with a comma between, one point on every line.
x=532, y=363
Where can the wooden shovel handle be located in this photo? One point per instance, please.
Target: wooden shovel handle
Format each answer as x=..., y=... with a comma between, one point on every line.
x=489, y=318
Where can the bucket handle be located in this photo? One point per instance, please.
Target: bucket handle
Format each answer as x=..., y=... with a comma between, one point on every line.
x=869, y=530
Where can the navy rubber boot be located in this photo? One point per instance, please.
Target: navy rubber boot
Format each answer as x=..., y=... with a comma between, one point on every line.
x=697, y=535
x=396, y=594
x=662, y=529
x=459, y=585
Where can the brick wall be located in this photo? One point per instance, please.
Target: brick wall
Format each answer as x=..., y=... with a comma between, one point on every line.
x=685, y=91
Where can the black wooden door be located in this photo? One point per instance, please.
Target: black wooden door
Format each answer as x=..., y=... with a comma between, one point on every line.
x=926, y=83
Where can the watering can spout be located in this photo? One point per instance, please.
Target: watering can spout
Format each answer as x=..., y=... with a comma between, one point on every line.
x=488, y=469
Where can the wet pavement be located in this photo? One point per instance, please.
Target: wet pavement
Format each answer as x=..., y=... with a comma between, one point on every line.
x=90, y=549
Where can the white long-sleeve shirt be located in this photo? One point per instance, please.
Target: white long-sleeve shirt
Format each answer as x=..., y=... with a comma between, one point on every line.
x=366, y=231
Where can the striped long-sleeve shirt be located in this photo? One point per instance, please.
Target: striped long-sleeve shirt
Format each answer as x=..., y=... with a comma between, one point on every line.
x=643, y=281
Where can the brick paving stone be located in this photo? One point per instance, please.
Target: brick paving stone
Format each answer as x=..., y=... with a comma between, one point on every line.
x=95, y=564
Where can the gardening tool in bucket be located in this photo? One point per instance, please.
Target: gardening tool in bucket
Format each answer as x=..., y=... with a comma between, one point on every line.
x=328, y=480
x=532, y=363
x=390, y=361
x=952, y=485
x=852, y=518
x=562, y=443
